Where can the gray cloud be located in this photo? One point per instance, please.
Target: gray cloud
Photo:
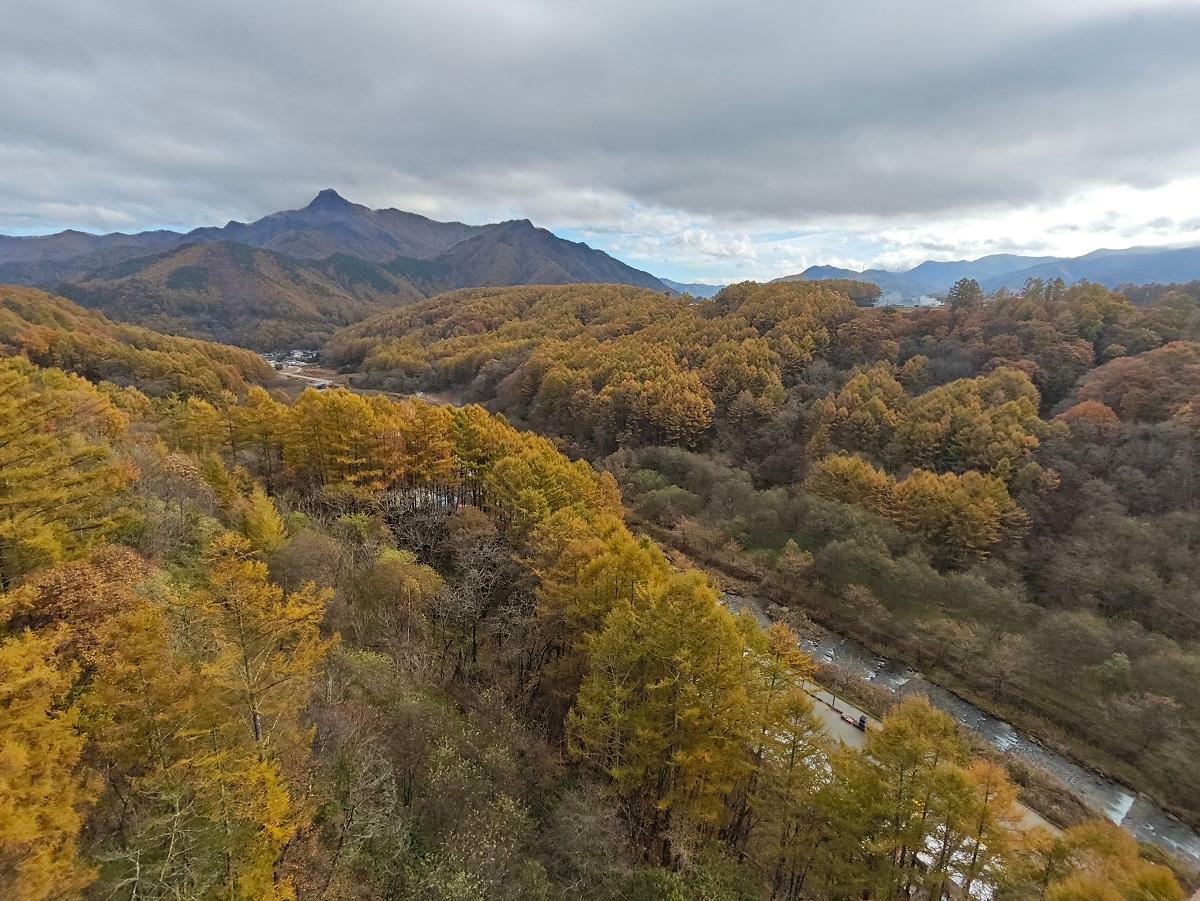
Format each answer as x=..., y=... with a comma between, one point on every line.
x=149, y=113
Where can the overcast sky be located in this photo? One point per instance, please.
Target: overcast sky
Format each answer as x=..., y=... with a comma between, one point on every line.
x=699, y=140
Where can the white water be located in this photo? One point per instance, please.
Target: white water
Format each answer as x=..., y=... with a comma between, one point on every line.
x=1145, y=820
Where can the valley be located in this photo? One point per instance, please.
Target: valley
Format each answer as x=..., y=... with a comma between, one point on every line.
x=1101, y=793
x=599, y=452
x=468, y=558
x=490, y=349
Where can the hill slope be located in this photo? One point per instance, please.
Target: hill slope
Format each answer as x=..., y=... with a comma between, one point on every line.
x=242, y=295
x=52, y=331
x=266, y=300
x=520, y=253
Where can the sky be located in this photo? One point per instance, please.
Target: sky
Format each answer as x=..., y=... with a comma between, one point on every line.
x=702, y=141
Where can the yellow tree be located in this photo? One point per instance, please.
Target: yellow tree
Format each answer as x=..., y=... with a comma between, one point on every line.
x=863, y=416
x=751, y=366
x=789, y=778
x=415, y=441
x=992, y=825
x=59, y=488
x=263, y=648
x=43, y=792
x=912, y=770
x=198, y=718
x=852, y=480
x=198, y=811
x=1102, y=862
x=787, y=733
x=197, y=426
x=962, y=516
x=392, y=598
x=988, y=423
x=77, y=599
x=534, y=480
x=585, y=569
x=332, y=437
x=665, y=710
x=261, y=523
x=259, y=424
x=676, y=407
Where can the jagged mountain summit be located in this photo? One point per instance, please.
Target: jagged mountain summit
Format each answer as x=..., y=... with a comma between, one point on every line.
x=330, y=224
x=297, y=275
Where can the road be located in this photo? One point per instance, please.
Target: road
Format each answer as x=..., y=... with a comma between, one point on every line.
x=828, y=707
x=831, y=710
x=312, y=376
x=315, y=377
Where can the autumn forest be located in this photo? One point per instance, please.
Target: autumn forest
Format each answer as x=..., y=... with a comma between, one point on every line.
x=258, y=642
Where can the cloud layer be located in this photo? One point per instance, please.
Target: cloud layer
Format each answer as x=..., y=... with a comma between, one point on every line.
x=703, y=137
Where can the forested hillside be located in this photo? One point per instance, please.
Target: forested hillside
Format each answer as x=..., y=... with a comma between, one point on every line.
x=52, y=331
x=359, y=648
x=240, y=294
x=1001, y=491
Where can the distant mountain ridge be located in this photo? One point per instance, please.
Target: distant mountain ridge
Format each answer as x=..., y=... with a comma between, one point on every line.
x=696, y=289
x=331, y=224
x=312, y=270
x=1111, y=268
x=391, y=256
x=936, y=273
x=894, y=285
x=71, y=244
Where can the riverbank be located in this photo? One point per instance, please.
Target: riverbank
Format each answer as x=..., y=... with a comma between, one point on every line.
x=1079, y=789
x=1078, y=792
x=852, y=711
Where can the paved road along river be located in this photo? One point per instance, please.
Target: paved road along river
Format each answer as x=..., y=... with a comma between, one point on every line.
x=1144, y=819
x=1141, y=817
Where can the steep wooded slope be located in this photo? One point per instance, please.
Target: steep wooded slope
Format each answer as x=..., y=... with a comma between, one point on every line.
x=52, y=331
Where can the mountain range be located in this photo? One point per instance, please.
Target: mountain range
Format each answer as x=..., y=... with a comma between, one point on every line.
x=293, y=277
x=1111, y=268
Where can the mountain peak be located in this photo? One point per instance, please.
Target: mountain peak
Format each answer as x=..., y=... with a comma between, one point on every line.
x=329, y=199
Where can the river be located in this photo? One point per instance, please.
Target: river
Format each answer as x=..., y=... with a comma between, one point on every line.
x=1144, y=819
x=1139, y=816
